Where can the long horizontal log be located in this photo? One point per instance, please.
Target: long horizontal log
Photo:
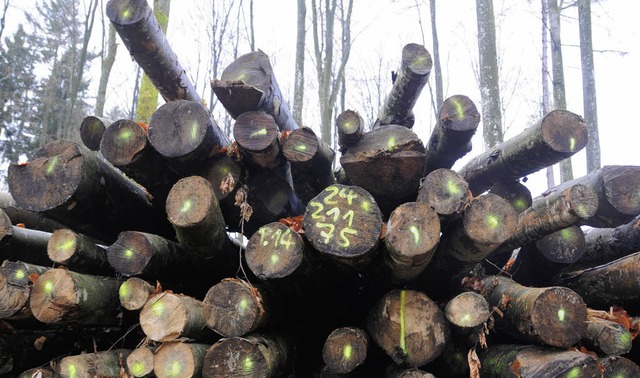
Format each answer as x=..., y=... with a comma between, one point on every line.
x=168, y=316
x=407, y=85
x=557, y=136
x=78, y=252
x=345, y=349
x=18, y=243
x=70, y=184
x=450, y=139
x=607, y=244
x=92, y=129
x=107, y=364
x=29, y=219
x=141, y=33
x=15, y=288
x=179, y=360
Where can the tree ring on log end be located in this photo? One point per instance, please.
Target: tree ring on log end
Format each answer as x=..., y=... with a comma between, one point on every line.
x=417, y=58
x=301, y=145
x=189, y=201
x=122, y=142
x=559, y=316
x=564, y=132
x=176, y=360
x=62, y=245
x=274, y=251
x=163, y=317
x=53, y=296
x=131, y=253
x=255, y=131
x=467, y=310
x=233, y=308
x=489, y=220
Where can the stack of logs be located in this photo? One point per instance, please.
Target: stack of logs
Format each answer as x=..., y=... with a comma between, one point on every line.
x=119, y=258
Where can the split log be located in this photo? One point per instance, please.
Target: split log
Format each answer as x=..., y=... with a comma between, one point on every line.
x=78, y=252
x=607, y=244
x=107, y=364
x=615, y=283
x=92, y=129
x=397, y=372
x=559, y=135
x=184, y=133
x=411, y=238
x=194, y=212
x=275, y=252
x=618, y=191
x=467, y=312
x=446, y=191
x=524, y=361
x=134, y=293
x=15, y=288
x=607, y=337
x=515, y=192
x=63, y=296
x=311, y=162
x=618, y=367
x=135, y=23
x=254, y=355
x=257, y=136
x=18, y=243
x=388, y=162
x=37, y=373
x=554, y=316
x=234, y=308
x=179, y=360
x=408, y=326
x=70, y=184
x=350, y=126
x=29, y=219
x=147, y=255
x=168, y=316
x=125, y=145
x=344, y=350
x=407, y=85
x=552, y=213
x=140, y=362
x=344, y=223
x=451, y=137
x=249, y=84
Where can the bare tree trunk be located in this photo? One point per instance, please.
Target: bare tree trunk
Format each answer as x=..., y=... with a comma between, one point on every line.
x=589, y=85
x=436, y=55
x=136, y=94
x=559, y=100
x=5, y=4
x=219, y=36
x=488, y=69
x=298, y=91
x=252, y=36
x=107, y=64
x=546, y=101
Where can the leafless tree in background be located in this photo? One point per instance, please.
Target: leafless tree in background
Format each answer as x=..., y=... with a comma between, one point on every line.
x=298, y=90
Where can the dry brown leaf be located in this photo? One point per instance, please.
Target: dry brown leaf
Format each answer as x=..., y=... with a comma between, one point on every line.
x=474, y=364
x=474, y=284
x=241, y=196
x=33, y=277
x=39, y=343
x=294, y=223
x=158, y=288
x=498, y=311
x=504, y=301
x=246, y=211
x=482, y=338
x=227, y=184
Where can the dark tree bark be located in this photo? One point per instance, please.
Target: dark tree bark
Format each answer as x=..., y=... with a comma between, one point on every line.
x=411, y=78
x=350, y=126
x=615, y=366
x=106, y=364
x=29, y=219
x=134, y=293
x=18, y=243
x=179, y=360
x=105, y=71
x=168, y=316
x=607, y=244
x=78, y=252
x=140, y=362
x=607, y=337
x=515, y=192
x=344, y=350
x=558, y=135
x=92, y=130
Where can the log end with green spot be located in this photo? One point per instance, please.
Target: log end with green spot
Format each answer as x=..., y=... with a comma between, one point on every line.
x=391, y=143
x=520, y=204
x=562, y=314
x=459, y=109
x=47, y=287
x=125, y=135
x=51, y=166
x=247, y=364
x=452, y=187
x=347, y=352
x=258, y=133
x=274, y=259
x=194, y=130
x=174, y=369
x=572, y=144
x=415, y=232
x=72, y=369
x=574, y=373
x=125, y=290
x=137, y=368
x=567, y=235
x=157, y=308
x=67, y=245
x=466, y=318
x=366, y=205
x=186, y=206
x=493, y=221
x=243, y=304
x=128, y=254
x=300, y=147
x=126, y=13
x=20, y=274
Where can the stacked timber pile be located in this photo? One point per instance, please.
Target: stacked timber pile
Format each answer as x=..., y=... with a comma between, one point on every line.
x=118, y=260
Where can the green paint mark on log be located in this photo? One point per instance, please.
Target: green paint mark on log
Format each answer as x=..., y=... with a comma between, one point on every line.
x=391, y=144
x=247, y=364
x=52, y=165
x=125, y=134
x=347, y=351
x=493, y=221
x=366, y=205
x=566, y=234
x=261, y=132
x=575, y=372
x=67, y=245
x=403, y=344
x=452, y=187
x=20, y=274
x=175, y=369
x=416, y=234
x=137, y=369
x=244, y=304
x=125, y=13
x=186, y=206
x=459, y=109
x=157, y=308
x=72, y=369
x=466, y=318
x=124, y=290
x=625, y=338
x=572, y=144
x=48, y=287
x=194, y=130
x=274, y=259
x=300, y=148
x=562, y=314
x=520, y=204
x=620, y=375
x=128, y=253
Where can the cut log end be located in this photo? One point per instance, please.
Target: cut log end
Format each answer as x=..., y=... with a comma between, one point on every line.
x=301, y=145
x=134, y=293
x=179, y=360
x=350, y=127
x=127, y=12
x=417, y=59
x=490, y=220
x=467, y=310
x=565, y=246
x=255, y=130
x=560, y=315
x=62, y=245
x=253, y=356
x=515, y=192
x=91, y=131
x=53, y=296
x=274, y=251
x=622, y=188
x=345, y=349
x=131, y=253
x=584, y=200
x=413, y=231
x=190, y=201
x=168, y=316
x=564, y=132
x=140, y=362
x=459, y=113
x=446, y=191
x=122, y=142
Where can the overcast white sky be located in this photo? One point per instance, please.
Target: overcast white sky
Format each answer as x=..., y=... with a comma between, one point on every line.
x=383, y=27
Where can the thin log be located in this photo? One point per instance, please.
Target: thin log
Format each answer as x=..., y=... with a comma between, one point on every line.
x=407, y=85
x=18, y=243
x=618, y=191
x=467, y=311
x=249, y=83
x=614, y=283
x=616, y=366
x=234, y=308
x=254, y=355
x=15, y=288
x=70, y=184
x=553, y=316
x=184, y=133
x=344, y=223
x=557, y=136
x=142, y=35
x=446, y=191
x=257, y=136
x=134, y=293
x=350, y=126
x=311, y=162
x=388, y=162
x=168, y=316
x=92, y=129
x=408, y=326
x=345, y=349
x=275, y=252
x=179, y=360
x=607, y=244
x=607, y=337
x=451, y=137
x=140, y=362
x=78, y=252
x=107, y=364
x=63, y=296
x=524, y=361
x=411, y=238
x=515, y=192
x=29, y=219
x=42, y=372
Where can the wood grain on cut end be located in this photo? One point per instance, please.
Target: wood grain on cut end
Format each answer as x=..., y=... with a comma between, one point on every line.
x=168, y=316
x=417, y=59
x=190, y=201
x=490, y=220
x=467, y=310
x=446, y=191
x=345, y=349
x=274, y=251
x=123, y=141
x=134, y=293
x=179, y=360
x=564, y=132
x=140, y=362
